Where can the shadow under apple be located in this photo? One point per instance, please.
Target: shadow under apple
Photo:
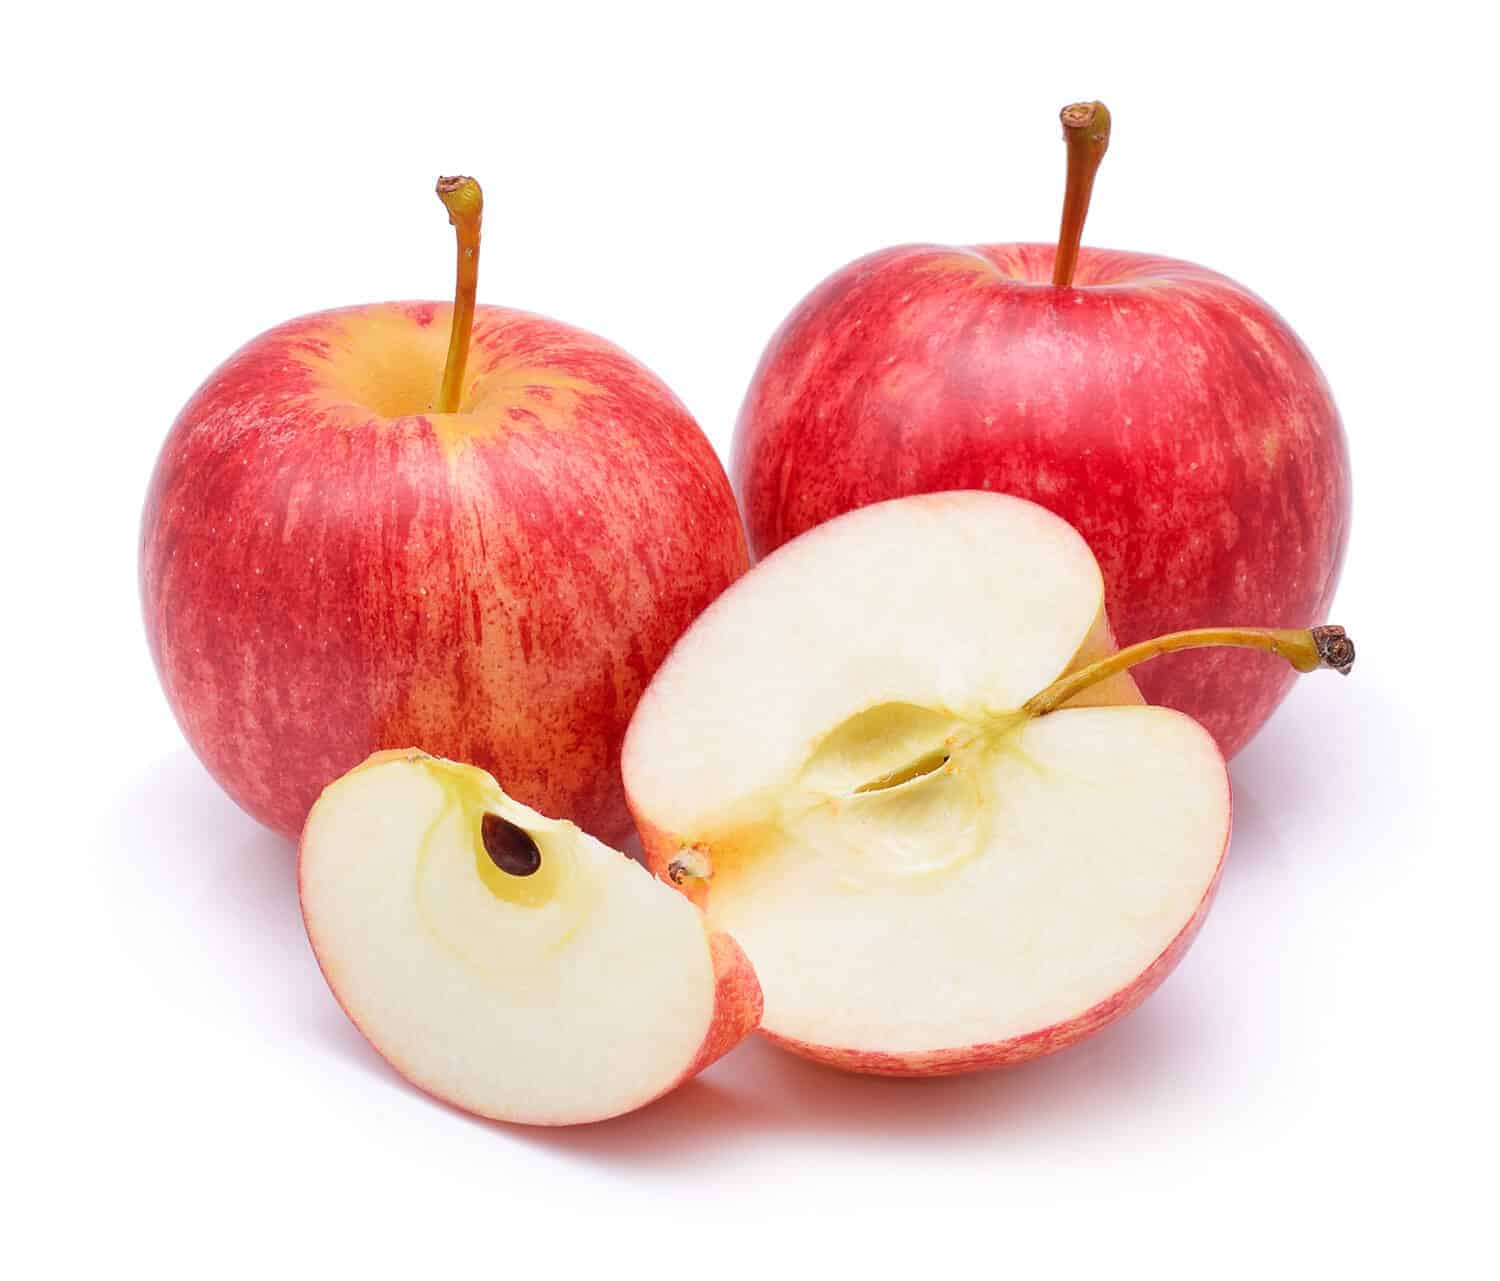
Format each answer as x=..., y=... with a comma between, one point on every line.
x=1294, y=786
x=761, y=1093
x=226, y=895
x=221, y=928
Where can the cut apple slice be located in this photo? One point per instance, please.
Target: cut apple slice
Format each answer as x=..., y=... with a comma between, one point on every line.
x=508, y=963
x=846, y=762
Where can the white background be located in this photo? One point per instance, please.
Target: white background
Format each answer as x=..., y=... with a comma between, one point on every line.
x=1312, y=1089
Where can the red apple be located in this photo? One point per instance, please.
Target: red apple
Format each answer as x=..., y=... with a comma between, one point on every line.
x=1165, y=411
x=333, y=563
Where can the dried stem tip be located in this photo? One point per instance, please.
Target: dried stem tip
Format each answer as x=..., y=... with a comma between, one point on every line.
x=461, y=197
x=1334, y=648
x=1080, y=115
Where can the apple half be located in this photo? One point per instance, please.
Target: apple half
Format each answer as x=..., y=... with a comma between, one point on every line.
x=507, y=963
x=841, y=762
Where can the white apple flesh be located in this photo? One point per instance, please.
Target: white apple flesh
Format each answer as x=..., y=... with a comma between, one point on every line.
x=570, y=988
x=835, y=761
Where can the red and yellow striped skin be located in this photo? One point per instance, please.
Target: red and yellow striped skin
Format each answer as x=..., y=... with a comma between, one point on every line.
x=1162, y=409
x=328, y=570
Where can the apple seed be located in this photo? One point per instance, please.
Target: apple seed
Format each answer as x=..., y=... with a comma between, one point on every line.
x=510, y=848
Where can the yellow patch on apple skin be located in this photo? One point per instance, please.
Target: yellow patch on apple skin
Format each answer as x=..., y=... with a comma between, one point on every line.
x=380, y=360
x=513, y=398
x=383, y=364
x=964, y=262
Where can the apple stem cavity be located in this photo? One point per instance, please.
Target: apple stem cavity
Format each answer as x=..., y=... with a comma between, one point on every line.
x=1086, y=131
x=465, y=205
x=1306, y=649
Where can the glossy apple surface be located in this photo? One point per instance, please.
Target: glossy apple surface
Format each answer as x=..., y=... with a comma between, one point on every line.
x=1165, y=411
x=328, y=570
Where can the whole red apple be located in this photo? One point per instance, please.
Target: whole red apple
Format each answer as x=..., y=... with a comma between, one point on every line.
x=337, y=558
x=1165, y=411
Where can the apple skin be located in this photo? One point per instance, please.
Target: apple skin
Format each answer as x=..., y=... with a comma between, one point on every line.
x=327, y=570
x=738, y=1005
x=1166, y=412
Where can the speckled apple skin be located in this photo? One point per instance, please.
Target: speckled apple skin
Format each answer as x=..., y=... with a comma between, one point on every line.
x=320, y=580
x=1162, y=409
x=738, y=1004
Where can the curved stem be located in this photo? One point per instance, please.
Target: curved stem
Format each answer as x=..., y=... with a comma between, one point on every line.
x=1306, y=649
x=1086, y=130
x=465, y=204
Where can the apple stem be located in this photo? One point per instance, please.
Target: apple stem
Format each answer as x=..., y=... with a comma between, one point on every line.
x=1086, y=131
x=465, y=204
x=1306, y=649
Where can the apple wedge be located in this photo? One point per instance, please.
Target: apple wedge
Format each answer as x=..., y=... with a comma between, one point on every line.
x=507, y=963
x=862, y=762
